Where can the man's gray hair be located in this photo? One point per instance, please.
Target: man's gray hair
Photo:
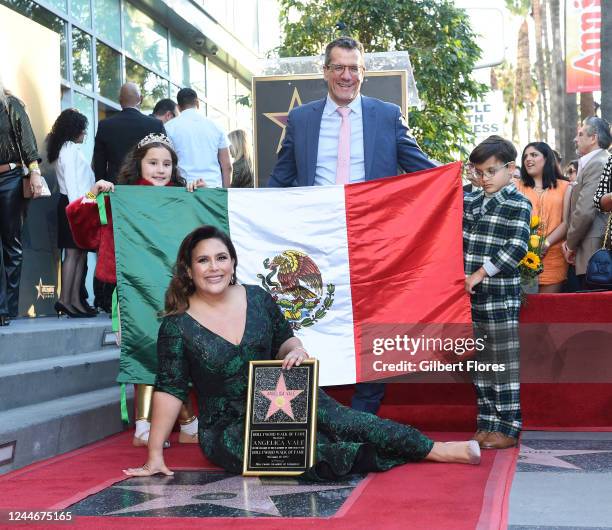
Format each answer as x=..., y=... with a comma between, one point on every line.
x=594, y=125
x=348, y=43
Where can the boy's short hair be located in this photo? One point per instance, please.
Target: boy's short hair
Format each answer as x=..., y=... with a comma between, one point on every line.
x=496, y=146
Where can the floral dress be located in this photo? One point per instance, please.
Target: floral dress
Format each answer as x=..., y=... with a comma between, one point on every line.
x=348, y=441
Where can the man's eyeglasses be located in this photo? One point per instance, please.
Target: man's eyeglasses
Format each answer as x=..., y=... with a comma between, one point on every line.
x=571, y=171
x=490, y=172
x=338, y=69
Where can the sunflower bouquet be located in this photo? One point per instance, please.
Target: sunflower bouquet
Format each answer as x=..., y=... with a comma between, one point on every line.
x=531, y=265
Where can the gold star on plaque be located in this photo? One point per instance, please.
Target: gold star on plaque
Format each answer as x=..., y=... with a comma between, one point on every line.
x=280, y=118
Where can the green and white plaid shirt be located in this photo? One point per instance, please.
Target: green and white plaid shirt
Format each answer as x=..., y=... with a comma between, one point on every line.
x=499, y=232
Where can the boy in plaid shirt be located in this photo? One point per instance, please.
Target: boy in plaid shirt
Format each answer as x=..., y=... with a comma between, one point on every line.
x=496, y=222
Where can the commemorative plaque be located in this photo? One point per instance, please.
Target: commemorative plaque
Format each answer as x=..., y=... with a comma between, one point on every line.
x=281, y=419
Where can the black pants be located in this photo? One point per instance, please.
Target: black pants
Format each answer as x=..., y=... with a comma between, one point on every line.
x=11, y=253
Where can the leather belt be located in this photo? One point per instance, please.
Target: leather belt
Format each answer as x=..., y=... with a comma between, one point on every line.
x=6, y=167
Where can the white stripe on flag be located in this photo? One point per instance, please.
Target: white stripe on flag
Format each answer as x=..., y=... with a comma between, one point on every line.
x=264, y=223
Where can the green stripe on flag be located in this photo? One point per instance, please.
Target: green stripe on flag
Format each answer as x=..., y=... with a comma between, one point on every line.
x=149, y=224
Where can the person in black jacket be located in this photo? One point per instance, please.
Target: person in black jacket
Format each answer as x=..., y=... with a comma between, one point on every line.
x=120, y=133
x=18, y=155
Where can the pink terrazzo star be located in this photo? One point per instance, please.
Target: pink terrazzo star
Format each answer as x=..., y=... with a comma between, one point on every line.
x=280, y=398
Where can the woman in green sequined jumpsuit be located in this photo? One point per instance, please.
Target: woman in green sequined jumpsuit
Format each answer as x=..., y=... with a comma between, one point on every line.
x=212, y=330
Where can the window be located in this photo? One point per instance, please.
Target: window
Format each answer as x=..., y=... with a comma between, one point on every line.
x=81, y=58
x=152, y=86
x=81, y=11
x=109, y=71
x=85, y=106
x=107, y=20
x=220, y=118
x=216, y=87
x=187, y=68
x=145, y=39
x=59, y=4
x=243, y=110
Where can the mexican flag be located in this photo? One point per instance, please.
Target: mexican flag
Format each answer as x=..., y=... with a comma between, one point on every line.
x=342, y=262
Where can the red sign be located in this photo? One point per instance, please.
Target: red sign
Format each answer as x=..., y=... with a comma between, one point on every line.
x=582, y=45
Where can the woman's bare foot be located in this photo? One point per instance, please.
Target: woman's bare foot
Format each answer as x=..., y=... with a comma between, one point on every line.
x=150, y=468
x=455, y=452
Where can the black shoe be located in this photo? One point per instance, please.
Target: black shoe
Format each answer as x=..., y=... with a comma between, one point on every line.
x=4, y=320
x=88, y=310
x=61, y=309
x=86, y=314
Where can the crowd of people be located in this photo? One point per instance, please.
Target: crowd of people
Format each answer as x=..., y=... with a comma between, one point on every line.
x=178, y=146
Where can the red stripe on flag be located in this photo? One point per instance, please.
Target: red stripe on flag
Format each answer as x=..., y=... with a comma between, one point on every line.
x=406, y=250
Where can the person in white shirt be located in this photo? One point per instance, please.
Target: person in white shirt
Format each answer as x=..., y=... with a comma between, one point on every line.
x=74, y=177
x=201, y=145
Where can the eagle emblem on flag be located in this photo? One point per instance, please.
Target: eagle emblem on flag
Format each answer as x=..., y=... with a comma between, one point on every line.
x=296, y=284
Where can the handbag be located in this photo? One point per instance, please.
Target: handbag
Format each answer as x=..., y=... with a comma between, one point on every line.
x=27, y=189
x=599, y=268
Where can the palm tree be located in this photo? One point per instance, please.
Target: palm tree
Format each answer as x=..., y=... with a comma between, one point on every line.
x=606, y=59
x=537, y=11
x=522, y=80
x=565, y=114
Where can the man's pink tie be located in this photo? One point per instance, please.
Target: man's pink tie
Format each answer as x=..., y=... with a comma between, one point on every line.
x=344, y=147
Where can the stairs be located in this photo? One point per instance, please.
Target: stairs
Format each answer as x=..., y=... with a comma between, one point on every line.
x=57, y=387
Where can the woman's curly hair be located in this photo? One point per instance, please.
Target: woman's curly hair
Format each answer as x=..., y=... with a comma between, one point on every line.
x=130, y=172
x=68, y=126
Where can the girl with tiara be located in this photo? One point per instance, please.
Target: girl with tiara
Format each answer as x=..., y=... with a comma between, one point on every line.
x=153, y=162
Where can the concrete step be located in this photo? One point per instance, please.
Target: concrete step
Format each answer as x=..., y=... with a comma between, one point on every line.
x=49, y=428
x=27, y=339
x=41, y=380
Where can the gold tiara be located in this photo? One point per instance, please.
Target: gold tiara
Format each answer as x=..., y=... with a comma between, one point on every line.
x=155, y=138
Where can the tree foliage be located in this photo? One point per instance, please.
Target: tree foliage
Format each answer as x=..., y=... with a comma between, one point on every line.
x=436, y=34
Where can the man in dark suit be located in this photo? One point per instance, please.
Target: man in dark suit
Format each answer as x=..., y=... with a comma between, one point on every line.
x=346, y=138
x=115, y=137
x=119, y=133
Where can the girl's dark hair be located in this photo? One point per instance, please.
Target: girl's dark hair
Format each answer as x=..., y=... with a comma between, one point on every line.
x=551, y=172
x=181, y=285
x=68, y=126
x=130, y=172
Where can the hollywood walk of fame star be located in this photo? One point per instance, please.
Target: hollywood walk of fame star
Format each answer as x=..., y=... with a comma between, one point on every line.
x=39, y=289
x=280, y=398
x=280, y=118
x=243, y=493
x=550, y=457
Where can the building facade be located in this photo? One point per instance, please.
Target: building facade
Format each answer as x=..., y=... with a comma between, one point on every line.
x=212, y=46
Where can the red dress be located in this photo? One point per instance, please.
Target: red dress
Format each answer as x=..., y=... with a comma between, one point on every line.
x=89, y=233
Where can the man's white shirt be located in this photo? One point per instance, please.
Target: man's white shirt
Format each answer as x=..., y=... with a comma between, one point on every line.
x=585, y=159
x=197, y=141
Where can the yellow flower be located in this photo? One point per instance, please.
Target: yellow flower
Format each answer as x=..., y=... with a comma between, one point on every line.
x=531, y=261
x=535, y=221
x=534, y=241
